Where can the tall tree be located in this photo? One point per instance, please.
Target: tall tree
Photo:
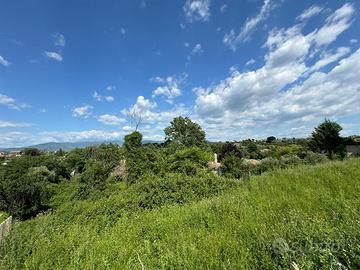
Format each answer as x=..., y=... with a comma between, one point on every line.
x=185, y=131
x=326, y=137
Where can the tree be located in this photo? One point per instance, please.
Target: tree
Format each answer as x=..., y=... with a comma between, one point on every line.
x=32, y=152
x=184, y=131
x=270, y=139
x=132, y=140
x=229, y=149
x=326, y=137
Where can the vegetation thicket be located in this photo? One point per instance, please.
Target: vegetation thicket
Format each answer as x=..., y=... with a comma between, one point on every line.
x=160, y=204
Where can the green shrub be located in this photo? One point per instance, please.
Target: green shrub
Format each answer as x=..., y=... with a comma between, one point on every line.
x=188, y=161
x=314, y=158
x=94, y=175
x=234, y=167
x=290, y=161
x=268, y=164
x=152, y=191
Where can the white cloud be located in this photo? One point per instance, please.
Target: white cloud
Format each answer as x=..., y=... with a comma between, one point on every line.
x=223, y=8
x=83, y=111
x=109, y=98
x=328, y=58
x=78, y=136
x=7, y=124
x=197, y=49
x=99, y=97
x=146, y=110
x=4, y=62
x=12, y=103
x=287, y=90
x=109, y=119
x=250, y=62
x=197, y=10
x=110, y=87
x=232, y=39
x=53, y=55
x=59, y=40
x=353, y=41
x=336, y=23
x=310, y=12
x=170, y=87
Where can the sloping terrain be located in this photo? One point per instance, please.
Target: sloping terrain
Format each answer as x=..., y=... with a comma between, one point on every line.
x=308, y=216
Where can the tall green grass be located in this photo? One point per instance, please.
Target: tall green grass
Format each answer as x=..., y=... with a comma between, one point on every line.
x=308, y=215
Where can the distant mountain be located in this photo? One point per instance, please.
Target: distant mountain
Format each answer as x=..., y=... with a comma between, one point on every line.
x=66, y=146
x=55, y=146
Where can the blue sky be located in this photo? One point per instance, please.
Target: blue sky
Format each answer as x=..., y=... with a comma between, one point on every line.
x=80, y=70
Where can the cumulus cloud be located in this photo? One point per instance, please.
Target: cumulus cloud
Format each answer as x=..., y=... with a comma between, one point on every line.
x=287, y=88
x=53, y=55
x=233, y=39
x=4, y=62
x=83, y=111
x=12, y=103
x=170, y=86
x=145, y=109
x=109, y=119
x=197, y=10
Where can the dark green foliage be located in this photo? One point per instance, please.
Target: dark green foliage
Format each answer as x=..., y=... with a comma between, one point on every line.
x=109, y=154
x=94, y=175
x=186, y=132
x=132, y=141
x=233, y=167
x=188, y=161
x=32, y=152
x=229, y=149
x=24, y=189
x=270, y=139
x=312, y=209
x=139, y=159
x=326, y=137
x=314, y=158
x=152, y=191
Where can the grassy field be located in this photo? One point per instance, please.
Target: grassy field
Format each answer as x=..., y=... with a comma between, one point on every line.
x=307, y=215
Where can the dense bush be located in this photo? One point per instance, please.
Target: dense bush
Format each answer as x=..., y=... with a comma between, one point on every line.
x=188, y=161
x=152, y=191
x=25, y=196
x=227, y=149
x=290, y=160
x=314, y=158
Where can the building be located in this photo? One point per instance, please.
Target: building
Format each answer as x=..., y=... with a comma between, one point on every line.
x=353, y=149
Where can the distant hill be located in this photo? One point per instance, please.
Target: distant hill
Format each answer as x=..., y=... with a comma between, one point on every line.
x=66, y=146
x=55, y=146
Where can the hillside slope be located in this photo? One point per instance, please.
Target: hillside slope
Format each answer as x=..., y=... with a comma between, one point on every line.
x=307, y=215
